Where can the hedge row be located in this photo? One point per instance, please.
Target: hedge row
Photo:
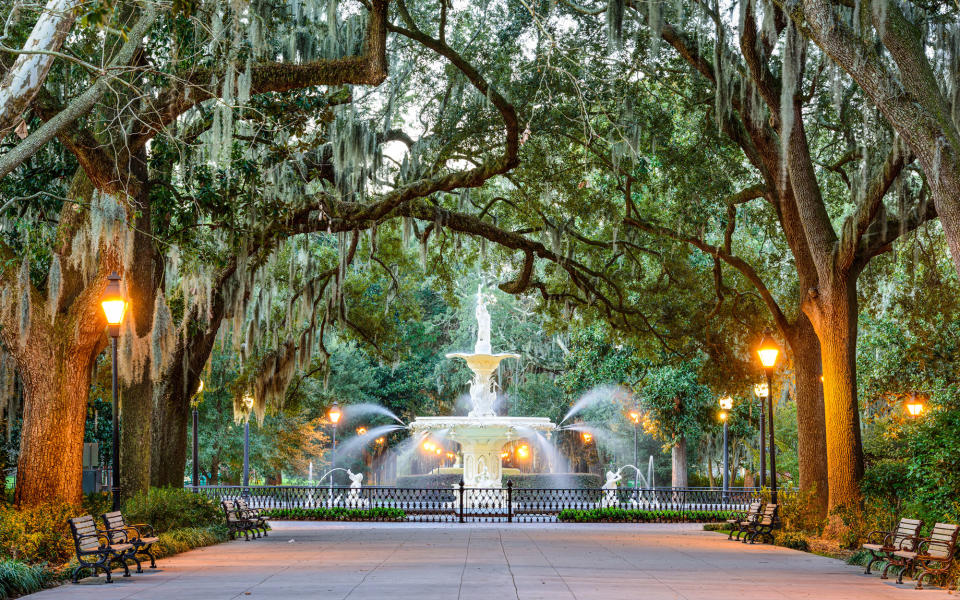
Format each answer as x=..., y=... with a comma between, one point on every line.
x=584, y=481
x=337, y=514
x=624, y=515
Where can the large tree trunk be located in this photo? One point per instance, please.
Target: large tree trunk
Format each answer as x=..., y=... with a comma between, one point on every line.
x=142, y=281
x=56, y=386
x=811, y=428
x=168, y=459
x=678, y=456
x=835, y=320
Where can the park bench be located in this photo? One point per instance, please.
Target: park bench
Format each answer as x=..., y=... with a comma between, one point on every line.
x=763, y=526
x=236, y=522
x=739, y=520
x=882, y=544
x=933, y=555
x=254, y=515
x=94, y=549
x=140, y=535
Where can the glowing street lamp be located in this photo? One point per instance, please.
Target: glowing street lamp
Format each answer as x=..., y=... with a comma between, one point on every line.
x=334, y=415
x=768, y=351
x=523, y=452
x=915, y=406
x=248, y=403
x=726, y=404
x=114, y=305
x=635, y=416
x=361, y=430
x=587, y=437
x=196, y=446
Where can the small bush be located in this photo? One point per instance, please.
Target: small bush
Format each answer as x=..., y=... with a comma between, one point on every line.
x=578, y=481
x=37, y=534
x=337, y=514
x=792, y=539
x=18, y=578
x=624, y=515
x=446, y=481
x=166, y=509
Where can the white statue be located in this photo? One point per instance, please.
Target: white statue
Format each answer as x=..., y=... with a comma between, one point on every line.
x=356, y=484
x=483, y=324
x=610, y=489
x=484, y=479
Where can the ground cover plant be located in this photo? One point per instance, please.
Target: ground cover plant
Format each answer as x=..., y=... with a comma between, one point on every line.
x=337, y=514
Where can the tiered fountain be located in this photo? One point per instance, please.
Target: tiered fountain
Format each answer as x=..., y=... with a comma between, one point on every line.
x=482, y=433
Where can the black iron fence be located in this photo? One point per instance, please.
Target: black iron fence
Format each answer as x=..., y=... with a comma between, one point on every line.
x=463, y=504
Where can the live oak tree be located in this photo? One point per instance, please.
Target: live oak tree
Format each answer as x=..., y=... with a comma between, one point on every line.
x=105, y=226
x=819, y=167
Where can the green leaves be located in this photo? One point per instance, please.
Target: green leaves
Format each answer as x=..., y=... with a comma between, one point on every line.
x=337, y=514
x=626, y=515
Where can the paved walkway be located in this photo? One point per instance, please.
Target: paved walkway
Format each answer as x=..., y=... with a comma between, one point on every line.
x=410, y=561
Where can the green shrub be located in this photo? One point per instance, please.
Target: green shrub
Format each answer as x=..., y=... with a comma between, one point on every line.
x=624, y=515
x=18, y=578
x=337, y=514
x=444, y=480
x=578, y=481
x=37, y=534
x=166, y=509
x=791, y=539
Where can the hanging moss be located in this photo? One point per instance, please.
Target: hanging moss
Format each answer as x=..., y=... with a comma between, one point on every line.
x=54, y=286
x=24, y=289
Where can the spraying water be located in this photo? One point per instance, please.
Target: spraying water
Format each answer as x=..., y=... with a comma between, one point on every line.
x=353, y=445
x=598, y=395
x=356, y=410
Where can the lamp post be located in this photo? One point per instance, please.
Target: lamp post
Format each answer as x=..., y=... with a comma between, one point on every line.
x=114, y=306
x=726, y=404
x=196, y=446
x=915, y=406
x=768, y=352
x=248, y=402
x=334, y=414
x=762, y=390
x=635, y=418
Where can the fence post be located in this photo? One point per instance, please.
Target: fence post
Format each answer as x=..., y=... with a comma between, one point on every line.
x=509, y=501
x=461, y=500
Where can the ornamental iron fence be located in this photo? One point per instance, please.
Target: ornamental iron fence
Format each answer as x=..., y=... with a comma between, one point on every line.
x=507, y=504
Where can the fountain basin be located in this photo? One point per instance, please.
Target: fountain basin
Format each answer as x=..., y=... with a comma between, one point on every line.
x=481, y=440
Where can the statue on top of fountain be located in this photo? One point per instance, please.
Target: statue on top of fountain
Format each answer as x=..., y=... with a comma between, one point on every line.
x=483, y=323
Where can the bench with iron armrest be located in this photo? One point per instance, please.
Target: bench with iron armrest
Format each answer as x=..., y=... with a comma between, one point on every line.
x=95, y=550
x=933, y=556
x=882, y=544
x=140, y=535
x=737, y=519
x=236, y=522
x=762, y=527
x=254, y=515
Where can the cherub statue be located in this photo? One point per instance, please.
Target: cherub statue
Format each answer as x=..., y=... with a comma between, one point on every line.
x=610, y=489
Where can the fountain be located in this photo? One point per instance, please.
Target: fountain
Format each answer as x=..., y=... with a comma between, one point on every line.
x=482, y=433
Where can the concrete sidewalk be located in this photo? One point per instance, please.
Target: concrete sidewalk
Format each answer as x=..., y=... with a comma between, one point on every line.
x=400, y=561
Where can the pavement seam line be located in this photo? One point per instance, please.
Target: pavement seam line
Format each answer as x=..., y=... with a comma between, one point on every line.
x=513, y=578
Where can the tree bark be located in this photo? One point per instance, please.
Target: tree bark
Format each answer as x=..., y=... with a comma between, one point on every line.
x=811, y=427
x=56, y=386
x=678, y=456
x=29, y=71
x=834, y=316
x=142, y=279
